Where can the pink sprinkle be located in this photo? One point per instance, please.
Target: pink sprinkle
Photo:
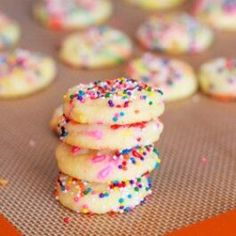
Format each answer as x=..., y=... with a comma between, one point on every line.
x=204, y=160
x=95, y=134
x=67, y=220
x=76, y=199
x=105, y=172
x=75, y=150
x=99, y=122
x=32, y=143
x=99, y=158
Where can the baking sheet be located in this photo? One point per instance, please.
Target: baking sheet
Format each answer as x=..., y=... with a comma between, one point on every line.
x=197, y=178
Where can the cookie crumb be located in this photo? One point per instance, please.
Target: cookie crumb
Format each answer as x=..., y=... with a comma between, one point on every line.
x=3, y=182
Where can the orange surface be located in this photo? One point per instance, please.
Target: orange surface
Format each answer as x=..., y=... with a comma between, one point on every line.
x=222, y=225
x=7, y=229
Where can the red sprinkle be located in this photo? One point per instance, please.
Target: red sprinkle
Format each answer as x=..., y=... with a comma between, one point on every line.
x=140, y=125
x=67, y=220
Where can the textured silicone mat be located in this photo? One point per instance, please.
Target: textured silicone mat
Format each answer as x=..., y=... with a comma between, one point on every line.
x=197, y=178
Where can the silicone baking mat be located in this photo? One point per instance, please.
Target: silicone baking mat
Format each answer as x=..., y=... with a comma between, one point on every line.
x=197, y=178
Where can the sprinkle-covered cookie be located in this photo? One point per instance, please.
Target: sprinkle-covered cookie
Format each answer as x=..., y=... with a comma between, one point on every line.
x=113, y=137
x=71, y=14
x=178, y=33
x=218, y=78
x=23, y=72
x=97, y=47
x=118, y=101
x=105, y=165
x=9, y=32
x=85, y=197
x=174, y=77
x=220, y=14
x=57, y=114
x=156, y=4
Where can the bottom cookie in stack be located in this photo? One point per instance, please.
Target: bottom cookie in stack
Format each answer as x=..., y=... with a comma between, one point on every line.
x=86, y=197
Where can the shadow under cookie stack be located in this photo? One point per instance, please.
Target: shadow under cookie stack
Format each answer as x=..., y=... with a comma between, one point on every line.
x=107, y=131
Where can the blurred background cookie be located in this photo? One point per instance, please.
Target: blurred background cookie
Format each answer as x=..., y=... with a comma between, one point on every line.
x=9, y=32
x=220, y=14
x=156, y=4
x=218, y=78
x=71, y=14
x=98, y=47
x=23, y=72
x=174, y=33
x=175, y=78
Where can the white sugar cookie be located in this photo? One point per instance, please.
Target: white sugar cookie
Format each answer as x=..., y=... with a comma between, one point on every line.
x=220, y=14
x=9, y=32
x=175, y=78
x=71, y=14
x=175, y=33
x=97, y=47
x=218, y=78
x=23, y=72
x=85, y=197
x=118, y=101
x=101, y=136
x=105, y=165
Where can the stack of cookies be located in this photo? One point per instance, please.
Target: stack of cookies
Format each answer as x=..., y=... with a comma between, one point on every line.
x=107, y=152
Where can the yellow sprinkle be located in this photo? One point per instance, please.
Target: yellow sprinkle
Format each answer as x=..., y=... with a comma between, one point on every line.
x=152, y=94
x=85, y=210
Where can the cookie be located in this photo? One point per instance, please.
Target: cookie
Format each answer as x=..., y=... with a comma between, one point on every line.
x=156, y=4
x=119, y=101
x=218, y=78
x=57, y=114
x=71, y=14
x=97, y=47
x=9, y=32
x=99, y=198
x=176, y=33
x=174, y=77
x=104, y=136
x=23, y=72
x=105, y=165
x=220, y=14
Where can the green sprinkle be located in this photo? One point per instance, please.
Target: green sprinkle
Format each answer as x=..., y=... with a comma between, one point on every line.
x=136, y=189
